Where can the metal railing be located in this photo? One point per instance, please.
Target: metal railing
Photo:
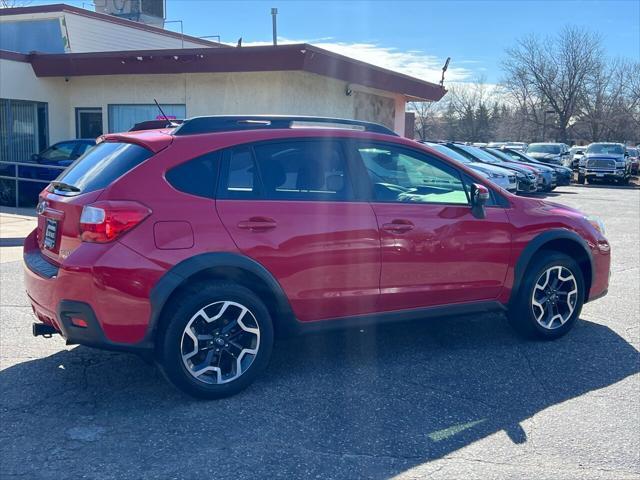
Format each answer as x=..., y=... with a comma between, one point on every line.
x=27, y=176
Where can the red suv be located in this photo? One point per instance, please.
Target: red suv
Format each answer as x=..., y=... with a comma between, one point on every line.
x=197, y=245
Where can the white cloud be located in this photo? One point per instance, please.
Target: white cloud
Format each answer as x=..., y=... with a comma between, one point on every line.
x=410, y=62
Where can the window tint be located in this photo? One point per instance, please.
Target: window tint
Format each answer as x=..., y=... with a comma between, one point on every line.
x=241, y=176
x=102, y=165
x=197, y=176
x=302, y=170
x=309, y=170
x=402, y=176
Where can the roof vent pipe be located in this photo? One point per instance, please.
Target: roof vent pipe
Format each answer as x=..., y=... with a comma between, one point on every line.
x=274, y=22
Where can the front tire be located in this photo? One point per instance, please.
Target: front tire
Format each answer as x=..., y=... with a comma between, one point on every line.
x=216, y=341
x=550, y=298
x=581, y=179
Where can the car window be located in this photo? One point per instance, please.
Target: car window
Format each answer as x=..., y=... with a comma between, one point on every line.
x=605, y=148
x=299, y=170
x=449, y=153
x=102, y=165
x=197, y=176
x=544, y=148
x=403, y=176
x=241, y=175
x=60, y=151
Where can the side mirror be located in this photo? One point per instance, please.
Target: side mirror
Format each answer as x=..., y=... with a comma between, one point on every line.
x=479, y=197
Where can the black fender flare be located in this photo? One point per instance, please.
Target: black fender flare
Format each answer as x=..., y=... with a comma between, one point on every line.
x=537, y=243
x=181, y=272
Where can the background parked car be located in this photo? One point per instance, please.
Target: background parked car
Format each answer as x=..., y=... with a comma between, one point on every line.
x=527, y=180
x=554, y=153
x=500, y=176
x=62, y=154
x=605, y=161
x=634, y=159
x=546, y=175
x=564, y=175
x=576, y=154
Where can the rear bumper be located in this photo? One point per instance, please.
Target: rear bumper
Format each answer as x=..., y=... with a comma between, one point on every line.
x=113, y=310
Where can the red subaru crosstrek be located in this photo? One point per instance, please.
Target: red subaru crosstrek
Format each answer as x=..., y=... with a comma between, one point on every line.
x=196, y=245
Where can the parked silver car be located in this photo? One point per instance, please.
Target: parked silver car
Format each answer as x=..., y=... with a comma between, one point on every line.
x=500, y=176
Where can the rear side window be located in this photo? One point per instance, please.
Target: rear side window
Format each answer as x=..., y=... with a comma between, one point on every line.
x=300, y=170
x=101, y=165
x=197, y=176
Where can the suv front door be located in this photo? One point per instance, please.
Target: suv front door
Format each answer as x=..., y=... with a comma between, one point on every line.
x=434, y=251
x=289, y=205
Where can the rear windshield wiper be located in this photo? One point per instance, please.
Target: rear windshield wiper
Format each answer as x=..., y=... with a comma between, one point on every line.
x=64, y=187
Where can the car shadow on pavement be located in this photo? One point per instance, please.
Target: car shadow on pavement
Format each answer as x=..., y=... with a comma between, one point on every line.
x=360, y=403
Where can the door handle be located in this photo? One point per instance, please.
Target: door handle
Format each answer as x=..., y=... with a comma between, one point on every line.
x=257, y=224
x=398, y=226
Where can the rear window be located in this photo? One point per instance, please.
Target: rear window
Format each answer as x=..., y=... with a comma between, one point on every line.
x=100, y=166
x=544, y=148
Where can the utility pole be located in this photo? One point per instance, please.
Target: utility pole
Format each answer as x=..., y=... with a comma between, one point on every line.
x=274, y=13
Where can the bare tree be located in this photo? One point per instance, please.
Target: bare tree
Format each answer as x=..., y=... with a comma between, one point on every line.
x=14, y=3
x=470, y=106
x=552, y=74
x=427, y=118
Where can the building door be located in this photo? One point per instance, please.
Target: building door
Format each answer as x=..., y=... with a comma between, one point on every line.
x=88, y=122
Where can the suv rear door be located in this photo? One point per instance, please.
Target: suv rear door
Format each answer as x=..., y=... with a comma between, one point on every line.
x=289, y=204
x=434, y=251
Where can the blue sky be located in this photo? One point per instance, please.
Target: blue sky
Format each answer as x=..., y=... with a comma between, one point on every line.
x=413, y=36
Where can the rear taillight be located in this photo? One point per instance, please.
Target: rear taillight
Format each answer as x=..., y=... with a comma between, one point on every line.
x=105, y=221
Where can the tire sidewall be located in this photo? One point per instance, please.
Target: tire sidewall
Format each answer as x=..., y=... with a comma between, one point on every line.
x=523, y=311
x=169, y=351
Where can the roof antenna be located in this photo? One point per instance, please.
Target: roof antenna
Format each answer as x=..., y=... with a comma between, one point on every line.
x=444, y=69
x=159, y=108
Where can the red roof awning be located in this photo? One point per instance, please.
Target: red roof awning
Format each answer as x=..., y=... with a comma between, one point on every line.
x=301, y=57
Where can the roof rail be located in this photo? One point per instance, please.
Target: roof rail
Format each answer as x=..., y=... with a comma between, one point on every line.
x=228, y=123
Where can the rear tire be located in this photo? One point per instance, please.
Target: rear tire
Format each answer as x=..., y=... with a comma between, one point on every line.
x=216, y=341
x=550, y=298
x=581, y=179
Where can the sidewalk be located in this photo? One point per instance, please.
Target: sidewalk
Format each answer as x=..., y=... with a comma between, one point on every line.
x=15, y=225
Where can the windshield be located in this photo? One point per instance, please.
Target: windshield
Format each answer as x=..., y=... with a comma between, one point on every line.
x=101, y=165
x=499, y=154
x=633, y=152
x=605, y=148
x=449, y=153
x=60, y=151
x=479, y=154
x=543, y=148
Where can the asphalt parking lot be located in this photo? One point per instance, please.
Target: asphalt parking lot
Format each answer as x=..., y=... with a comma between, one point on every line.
x=449, y=399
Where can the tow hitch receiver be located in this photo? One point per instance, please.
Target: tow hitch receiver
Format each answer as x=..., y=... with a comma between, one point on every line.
x=43, y=329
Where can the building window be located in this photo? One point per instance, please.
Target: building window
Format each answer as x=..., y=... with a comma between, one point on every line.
x=123, y=117
x=25, y=36
x=23, y=129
